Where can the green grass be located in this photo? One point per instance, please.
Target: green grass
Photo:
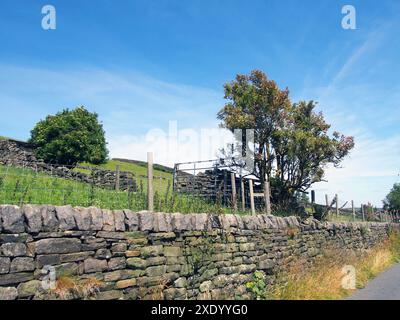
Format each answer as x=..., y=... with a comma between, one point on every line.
x=161, y=180
x=22, y=186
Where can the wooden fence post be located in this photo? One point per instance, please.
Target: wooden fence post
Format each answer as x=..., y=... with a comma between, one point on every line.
x=243, y=194
x=327, y=205
x=362, y=212
x=117, y=178
x=253, y=210
x=337, y=205
x=150, y=191
x=312, y=196
x=353, y=210
x=267, y=196
x=234, y=198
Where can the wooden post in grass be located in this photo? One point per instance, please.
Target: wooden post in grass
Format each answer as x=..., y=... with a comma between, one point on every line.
x=243, y=194
x=353, y=210
x=234, y=198
x=150, y=190
x=253, y=209
x=362, y=212
x=327, y=205
x=117, y=178
x=337, y=205
x=267, y=196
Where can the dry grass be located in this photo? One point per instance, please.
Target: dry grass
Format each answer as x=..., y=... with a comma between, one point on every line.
x=324, y=280
x=70, y=288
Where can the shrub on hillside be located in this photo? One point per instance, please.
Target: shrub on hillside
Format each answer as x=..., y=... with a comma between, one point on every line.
x=69, y=137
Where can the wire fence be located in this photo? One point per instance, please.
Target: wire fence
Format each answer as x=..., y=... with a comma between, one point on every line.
x=76, y=185
x=39, y=183
x=209, y=187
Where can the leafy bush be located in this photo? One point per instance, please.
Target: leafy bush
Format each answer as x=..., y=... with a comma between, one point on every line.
x=257, y=287
x=69, y=137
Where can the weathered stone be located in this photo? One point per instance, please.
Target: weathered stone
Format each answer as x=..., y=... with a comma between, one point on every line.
x=28, y=289
x=146, y=221
x=247, y=246
x=170, y=251
x=151, y=251
x=131, y=294
x=62, y=245
x=122, y=284
x=119, y=220
x=117, y=263
x=49, y=218
x=65, y=216
x=174, y=268
x=175, y=293
x=131, y=220
x=201, y=221
x=108, y=220
x=103, y=254
x=33, y=218
x=181, y=222
x=163, y=222
x=149, y=281
x=12, y=219
x=175, y=260
x=156, y=271
x=220, y=281
x=96, y=216
x=206, y=286
x=266, y=265
x=136, y=263
x=132, y=253
x=155, y=261
x=180, y=282
x=68, y=269
x=95, y=265
x=122, y=275
x=13, y=249
x=75, y=257
x=21, y=264
x=83, y=218
x=15, y=278
x=8, y=293
x=47, y=260
x=119, y=247
x=93, y=244
x=111, y=235
x=4, y=265
x=162, y=236
x=110, y=295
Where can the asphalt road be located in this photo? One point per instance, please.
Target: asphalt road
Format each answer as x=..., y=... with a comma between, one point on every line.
x=385, y=286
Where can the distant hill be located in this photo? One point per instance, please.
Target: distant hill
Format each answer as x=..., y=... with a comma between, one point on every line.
x=158, y=167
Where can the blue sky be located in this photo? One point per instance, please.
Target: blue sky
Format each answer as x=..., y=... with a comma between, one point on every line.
x=142, y=64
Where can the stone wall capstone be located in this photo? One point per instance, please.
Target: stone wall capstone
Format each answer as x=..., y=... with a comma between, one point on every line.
x=122, y=254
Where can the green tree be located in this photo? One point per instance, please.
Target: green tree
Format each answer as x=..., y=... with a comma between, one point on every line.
x=69, y=137
x=392, y=200
x=292, y=144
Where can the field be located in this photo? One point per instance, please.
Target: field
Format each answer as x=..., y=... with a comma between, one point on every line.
x=162, y=180
x=22, y=186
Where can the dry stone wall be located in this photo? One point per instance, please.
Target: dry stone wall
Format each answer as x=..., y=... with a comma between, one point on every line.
x=142, y=255
x=20, y=154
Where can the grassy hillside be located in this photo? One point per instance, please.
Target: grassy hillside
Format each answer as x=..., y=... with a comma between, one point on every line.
x=21, y=186
x=162, y=180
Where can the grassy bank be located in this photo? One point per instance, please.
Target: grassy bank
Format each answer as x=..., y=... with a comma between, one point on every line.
x=22, y=186
x=324, y=280
x=162, y=179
